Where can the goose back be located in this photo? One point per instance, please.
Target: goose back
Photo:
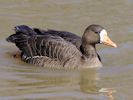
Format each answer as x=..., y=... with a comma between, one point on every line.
x=68, y=36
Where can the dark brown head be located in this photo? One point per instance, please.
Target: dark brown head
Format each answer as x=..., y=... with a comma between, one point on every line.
x=95, y=34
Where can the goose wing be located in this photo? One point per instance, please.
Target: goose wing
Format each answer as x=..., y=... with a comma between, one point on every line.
x=68, y=36
x=39, y=49
x=52, y=50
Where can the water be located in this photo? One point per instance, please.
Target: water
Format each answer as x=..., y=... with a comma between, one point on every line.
x=20, y=81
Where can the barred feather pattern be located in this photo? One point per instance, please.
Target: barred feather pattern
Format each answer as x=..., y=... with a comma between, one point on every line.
x=68, y=36
x=52, y=51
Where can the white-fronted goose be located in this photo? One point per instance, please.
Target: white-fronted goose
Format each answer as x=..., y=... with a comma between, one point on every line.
x=60, y=49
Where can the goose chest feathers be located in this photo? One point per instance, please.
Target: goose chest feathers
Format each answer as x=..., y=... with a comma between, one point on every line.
x=60, y=49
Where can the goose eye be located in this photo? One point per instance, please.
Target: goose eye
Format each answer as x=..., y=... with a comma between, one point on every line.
x=97, y=32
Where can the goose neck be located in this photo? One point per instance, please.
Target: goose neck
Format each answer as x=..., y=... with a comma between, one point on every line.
x=88, y=51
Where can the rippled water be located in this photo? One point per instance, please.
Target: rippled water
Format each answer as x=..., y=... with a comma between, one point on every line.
x=20, y=81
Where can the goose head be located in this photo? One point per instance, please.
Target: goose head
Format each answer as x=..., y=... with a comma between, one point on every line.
x=96, y=34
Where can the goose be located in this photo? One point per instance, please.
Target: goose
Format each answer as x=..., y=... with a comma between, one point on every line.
x=60, y=49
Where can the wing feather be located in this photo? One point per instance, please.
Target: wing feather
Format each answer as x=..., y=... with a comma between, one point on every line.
x=53, y=51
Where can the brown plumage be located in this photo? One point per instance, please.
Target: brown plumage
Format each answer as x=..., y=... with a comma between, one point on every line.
x=58, y=49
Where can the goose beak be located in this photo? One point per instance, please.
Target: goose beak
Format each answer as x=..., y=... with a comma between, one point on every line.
x=109, y=42
x=105, y=39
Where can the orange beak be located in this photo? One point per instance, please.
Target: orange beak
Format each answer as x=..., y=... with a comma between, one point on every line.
x=108, y=41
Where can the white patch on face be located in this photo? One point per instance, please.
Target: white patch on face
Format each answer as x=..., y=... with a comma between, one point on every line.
x=103, y=33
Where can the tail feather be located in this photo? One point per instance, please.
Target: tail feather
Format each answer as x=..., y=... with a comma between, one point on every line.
x=21, y=39
x=21, y=32
x=25, y=30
